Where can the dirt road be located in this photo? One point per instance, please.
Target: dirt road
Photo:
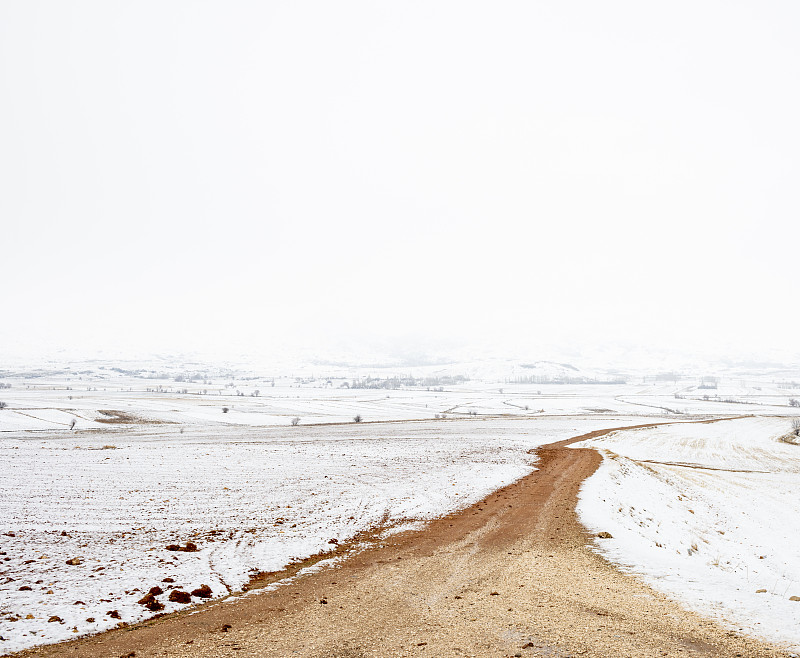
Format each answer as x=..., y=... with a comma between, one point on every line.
x=510, y=576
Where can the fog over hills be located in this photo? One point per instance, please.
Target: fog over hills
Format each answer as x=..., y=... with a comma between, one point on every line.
x=356, y=183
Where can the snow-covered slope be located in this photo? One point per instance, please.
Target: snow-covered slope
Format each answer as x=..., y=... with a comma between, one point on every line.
x=709, y=513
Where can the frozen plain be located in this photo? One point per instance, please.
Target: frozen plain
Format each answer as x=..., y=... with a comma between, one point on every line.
x=252, y=491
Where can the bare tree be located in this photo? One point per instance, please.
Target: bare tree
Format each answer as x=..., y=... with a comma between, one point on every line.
x=295, y=421
x=796, y=426
x=224, y=410
x=3, y=405
x=794, y=402
x=72, y=424
x=358, y=418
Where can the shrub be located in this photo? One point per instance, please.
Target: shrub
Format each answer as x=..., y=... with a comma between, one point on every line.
x=358, y=418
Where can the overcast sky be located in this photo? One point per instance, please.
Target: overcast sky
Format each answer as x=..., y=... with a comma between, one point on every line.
x=223, y=176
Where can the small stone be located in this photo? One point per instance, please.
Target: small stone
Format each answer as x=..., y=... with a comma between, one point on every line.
x=114, y=614
x=333, y=541
x=155, y=591
x=25, y=588
x=146, y=599
x=90, y=620
x=56, y=618
x=761, y=591
x=494, y=594
x=75, y=561
x=604, y=535
x=225, y=628
x=168, y=580
x=29, y=616
x=177, y=596
x=203, y=592
x=150, y=602
x=79, y=603
x=794, y=598
x=190, y=547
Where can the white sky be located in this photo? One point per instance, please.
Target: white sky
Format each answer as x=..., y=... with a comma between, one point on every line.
x=244, y=175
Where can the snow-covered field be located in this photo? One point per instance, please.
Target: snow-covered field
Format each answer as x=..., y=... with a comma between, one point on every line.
x=106, y=467
x=54, y=400
x=708, y=513
x=251, y=499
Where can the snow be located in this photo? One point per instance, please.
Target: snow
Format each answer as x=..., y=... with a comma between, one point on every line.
x=251, y=499
x=53, y=400
x=708, y=513
x=153, y=460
